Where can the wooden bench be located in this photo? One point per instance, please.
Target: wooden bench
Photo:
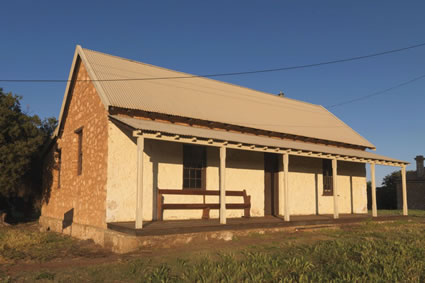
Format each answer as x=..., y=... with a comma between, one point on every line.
x=206, y=207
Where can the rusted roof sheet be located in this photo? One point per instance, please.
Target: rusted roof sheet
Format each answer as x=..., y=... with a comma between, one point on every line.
x=188, y=131
x=210, y=100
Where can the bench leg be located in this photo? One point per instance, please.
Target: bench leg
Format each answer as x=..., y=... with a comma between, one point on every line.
x=159, y=202
x=247, y=212
x=206, y=213
x=247, y=201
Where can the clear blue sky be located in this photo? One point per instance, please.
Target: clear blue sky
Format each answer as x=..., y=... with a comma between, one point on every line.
x=38, y=39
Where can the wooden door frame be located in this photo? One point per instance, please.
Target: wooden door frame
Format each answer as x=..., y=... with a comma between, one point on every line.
x=271, y=184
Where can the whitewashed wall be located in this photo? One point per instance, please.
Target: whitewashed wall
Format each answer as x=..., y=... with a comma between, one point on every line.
x=245, y=171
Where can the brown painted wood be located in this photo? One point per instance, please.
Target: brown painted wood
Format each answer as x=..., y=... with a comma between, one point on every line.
x=206, y=207
x=203, y=205
x=166, y=118
x=328, y=186
x=271, y=170
x=267, y=193
x=200, y=192
x=247, y=200
x=206, y=213
x=159, y=201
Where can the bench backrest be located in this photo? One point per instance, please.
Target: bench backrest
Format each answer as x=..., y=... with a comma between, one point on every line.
x=200, y=192
x=246, y=205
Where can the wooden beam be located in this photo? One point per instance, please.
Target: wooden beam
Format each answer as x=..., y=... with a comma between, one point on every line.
x=285, y=185
x=335, y=187
x=222, y=185
x=404, y=189
x=260, y=148
x=372, y=174
x=139, y=192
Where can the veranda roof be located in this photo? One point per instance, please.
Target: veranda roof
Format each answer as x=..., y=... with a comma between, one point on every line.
x=261, y=142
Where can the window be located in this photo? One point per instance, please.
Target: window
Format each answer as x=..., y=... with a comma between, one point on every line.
x=79, y=133
x=194, y=167
x=59, y=163
x=328, y=185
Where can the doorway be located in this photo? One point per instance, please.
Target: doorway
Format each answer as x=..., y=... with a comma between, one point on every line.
x=271, y=183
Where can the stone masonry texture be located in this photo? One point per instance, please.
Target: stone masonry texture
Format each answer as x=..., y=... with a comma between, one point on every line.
x=83, y=194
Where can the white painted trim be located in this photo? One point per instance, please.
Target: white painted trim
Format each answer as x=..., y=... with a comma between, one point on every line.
x=373, y=189
x=404, y=189
x=335, y=186
x=94, y=78
x=65, y=96
x=285, y=158
x=259, y=148
x=222, y=185
x=79, y=55
x=139, y=189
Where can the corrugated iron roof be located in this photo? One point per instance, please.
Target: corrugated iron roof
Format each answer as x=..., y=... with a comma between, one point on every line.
x=188, y=131
x=210, y=100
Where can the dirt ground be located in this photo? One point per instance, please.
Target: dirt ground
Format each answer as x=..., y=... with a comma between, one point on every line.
x=56, y=252
x=84, y=253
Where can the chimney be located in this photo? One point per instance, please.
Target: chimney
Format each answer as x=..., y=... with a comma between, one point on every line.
x=420, y=166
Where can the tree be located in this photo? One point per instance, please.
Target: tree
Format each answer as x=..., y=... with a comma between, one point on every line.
x=21, y=139
x=391, y=180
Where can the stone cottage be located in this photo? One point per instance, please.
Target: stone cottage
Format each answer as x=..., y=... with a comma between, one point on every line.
x=138, y=143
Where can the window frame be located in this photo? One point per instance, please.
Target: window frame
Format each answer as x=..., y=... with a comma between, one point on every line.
x=201, y=167
x=327, y=175
x=79, y=133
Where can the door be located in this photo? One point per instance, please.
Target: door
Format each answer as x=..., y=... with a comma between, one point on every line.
x=271, y=185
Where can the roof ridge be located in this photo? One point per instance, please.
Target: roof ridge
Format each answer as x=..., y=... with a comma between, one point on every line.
x=284, y=108
x=274, y=96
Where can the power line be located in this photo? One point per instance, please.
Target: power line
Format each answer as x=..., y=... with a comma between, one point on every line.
x=380, y=92
x=230, y=74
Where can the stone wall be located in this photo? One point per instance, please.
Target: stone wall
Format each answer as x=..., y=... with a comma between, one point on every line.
x=163, y=169
x=245, y=171
x=83, y=196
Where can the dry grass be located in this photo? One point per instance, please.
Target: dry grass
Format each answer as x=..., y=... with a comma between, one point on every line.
x=371, y=251
x=30, y=244
x=25, y=243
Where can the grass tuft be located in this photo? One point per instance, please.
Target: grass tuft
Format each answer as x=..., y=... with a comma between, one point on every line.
x=45, y=276
x=20, y=244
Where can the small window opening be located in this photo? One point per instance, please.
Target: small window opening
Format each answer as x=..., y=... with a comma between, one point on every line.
x=328, y=189
x=79, y=133
x=194, y=167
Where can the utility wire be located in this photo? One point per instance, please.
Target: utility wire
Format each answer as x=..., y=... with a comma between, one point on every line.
x=229, y=74
x=380, y=92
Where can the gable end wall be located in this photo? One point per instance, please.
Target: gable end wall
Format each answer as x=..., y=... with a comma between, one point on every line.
x=85, y=193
